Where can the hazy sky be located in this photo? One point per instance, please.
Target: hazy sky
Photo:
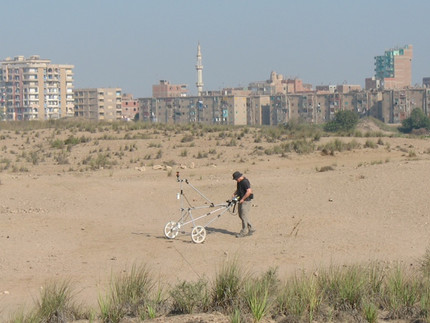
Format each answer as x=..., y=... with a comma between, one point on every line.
x=133, y=44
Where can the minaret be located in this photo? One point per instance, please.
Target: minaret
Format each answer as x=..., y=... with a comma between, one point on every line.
x=199, y=68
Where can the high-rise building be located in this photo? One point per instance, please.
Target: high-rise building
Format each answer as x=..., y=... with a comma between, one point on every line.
x=98, y=103
x=199, y=69
x=394, y=69
x=36, y=89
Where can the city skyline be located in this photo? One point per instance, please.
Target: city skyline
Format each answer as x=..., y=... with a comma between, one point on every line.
x=135, y=45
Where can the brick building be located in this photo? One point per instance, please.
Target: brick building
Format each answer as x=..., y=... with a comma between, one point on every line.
x=166, y=90
x=129, y=107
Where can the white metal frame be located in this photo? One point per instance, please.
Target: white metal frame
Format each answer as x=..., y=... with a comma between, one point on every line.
x=198, y=233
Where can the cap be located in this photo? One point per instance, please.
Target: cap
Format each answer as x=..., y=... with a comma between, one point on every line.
x=236, y=175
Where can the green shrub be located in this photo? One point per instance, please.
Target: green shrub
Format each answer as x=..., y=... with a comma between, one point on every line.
x=62, y=158
x=425, y=264
x=400, y=294
x=256, y=296
x=303, y=146
x=417, y=120
x=190, y=297
x=232, y=143
x=300, y=298
x=344, y=288
x=71, y=140
x=129, y=295
x=370, y=144
x=226, y=293
x=56, y=304
x=159, y=154
x=202, y=155
x=260, y=294
x=370, y=312
x=344, y=120
x=235, y=316
x=187, y=138
x=57, y=143
x=34, y=157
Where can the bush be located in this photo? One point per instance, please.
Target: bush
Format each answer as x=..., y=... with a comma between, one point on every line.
x=401, y=294
x=370, y=144
x=300, y=299
x=343, y=121
x=129, y=295
x=190, y=297
x=187, y=138
x=259, y=294
x=56, y=304
x=227, y=288
x=417, y=120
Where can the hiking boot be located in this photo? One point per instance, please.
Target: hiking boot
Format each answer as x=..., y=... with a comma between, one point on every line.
x=250, y=230
x=241, y=234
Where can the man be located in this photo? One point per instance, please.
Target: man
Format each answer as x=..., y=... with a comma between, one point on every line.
x=244, y=194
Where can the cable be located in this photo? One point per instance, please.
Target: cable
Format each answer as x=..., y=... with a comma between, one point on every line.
x=187, y=262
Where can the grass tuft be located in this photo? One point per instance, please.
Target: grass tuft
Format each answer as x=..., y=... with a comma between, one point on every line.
x=190, y=297
x=129, y=295
x=228, y=286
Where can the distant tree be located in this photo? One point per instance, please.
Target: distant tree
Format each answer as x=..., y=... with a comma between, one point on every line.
x=417, y=120
x=343, y=121
x=136, y=117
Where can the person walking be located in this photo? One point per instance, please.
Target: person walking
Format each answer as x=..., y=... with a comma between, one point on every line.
x=244, y=194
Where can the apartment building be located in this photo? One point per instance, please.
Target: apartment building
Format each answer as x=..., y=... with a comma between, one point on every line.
x=129, y=107
x=98, y=103
x=229, y=110
x=2, y=102
x=394, y=68
x=166, y=90
x=278, y=85
x=35, y=89
x=258, y=110
x=390, y=106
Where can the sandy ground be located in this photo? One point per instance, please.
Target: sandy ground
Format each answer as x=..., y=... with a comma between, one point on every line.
x=66, y=221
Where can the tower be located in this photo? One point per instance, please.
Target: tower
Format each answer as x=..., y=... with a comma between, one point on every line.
x=199, y=69
x=394, y=68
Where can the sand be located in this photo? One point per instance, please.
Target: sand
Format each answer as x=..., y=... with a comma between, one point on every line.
x=70, y=222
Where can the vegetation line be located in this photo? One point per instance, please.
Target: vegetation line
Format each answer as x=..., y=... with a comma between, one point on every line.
x=354, y=293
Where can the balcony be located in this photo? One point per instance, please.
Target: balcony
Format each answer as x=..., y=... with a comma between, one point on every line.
x=30, y=77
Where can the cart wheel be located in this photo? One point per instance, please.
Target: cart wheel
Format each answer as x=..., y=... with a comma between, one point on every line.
x=198, y=234
x=171, y=229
